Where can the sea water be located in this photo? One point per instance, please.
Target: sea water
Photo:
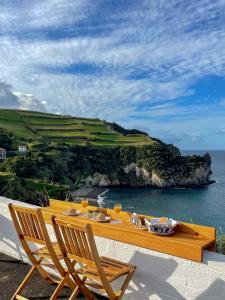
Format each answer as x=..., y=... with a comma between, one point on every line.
x=204, y=206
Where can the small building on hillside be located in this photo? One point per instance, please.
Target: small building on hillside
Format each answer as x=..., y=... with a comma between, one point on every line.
x=22, y=149
x=2, y=154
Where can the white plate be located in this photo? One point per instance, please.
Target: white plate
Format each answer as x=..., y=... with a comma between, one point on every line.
x=107, y=219
x=67, y=213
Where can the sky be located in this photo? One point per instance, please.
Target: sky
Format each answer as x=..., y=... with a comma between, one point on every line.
x=158, y=66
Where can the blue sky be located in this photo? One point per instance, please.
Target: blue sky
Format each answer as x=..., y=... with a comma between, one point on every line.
x=154, y=65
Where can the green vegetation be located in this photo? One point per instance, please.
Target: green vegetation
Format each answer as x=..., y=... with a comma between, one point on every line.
x=220, y=242
x=29, y=126
x=66, y=164
x=30, y=190
x=65, y=150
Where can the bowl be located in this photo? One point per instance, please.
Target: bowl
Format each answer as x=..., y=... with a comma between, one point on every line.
x=165, y=228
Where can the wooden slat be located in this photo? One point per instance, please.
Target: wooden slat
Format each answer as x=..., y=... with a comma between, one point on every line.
x=21, y=220
x=67, y=244
x=31, y=226
x=35, y=231
x=86, y=246
x=40, y=234
x=70, y=240
x=18, y=297
x=81, y=259
x=80, y=243
x=33, y=240
x=26, y=221
x=76, y=246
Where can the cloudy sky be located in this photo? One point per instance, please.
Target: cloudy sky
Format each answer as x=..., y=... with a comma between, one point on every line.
x=154, y=65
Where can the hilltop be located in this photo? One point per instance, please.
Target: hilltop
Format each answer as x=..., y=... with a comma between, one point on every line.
x=38, y=126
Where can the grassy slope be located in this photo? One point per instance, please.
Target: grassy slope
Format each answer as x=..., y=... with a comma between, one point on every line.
x=65, y=129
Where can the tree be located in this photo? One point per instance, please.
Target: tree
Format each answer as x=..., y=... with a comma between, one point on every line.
x=5, y=140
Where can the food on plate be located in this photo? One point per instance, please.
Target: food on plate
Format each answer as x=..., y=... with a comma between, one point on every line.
x=163, y=220
x=101, y=216
x=72, y=211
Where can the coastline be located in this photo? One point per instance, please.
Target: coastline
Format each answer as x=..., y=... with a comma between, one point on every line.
x=93, y=194
x=193, y=204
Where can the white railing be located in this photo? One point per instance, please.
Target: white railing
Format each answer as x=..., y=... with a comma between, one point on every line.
x=158, y=276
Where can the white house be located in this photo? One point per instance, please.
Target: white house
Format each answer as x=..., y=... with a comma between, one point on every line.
x=2, y=154
x=22, y=149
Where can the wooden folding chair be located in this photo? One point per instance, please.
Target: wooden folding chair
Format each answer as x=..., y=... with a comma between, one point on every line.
x=31, y=230
x=78, y=246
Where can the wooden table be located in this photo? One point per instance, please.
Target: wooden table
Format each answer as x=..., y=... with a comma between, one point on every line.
x=188, y=241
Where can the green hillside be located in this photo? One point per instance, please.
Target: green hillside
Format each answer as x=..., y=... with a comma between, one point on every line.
x=39, y=126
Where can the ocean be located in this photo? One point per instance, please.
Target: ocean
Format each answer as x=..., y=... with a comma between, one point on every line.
x=204, y=206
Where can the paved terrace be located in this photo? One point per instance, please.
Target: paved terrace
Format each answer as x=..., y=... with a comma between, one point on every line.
x=12, y=271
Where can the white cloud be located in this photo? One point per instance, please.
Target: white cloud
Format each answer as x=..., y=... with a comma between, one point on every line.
x=42, y=14
x=16, y=100
x=151, y=53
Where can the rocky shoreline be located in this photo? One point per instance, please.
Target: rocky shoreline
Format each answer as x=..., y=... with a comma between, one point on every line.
x=136, y=176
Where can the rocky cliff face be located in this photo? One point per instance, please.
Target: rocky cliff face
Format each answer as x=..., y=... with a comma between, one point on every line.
x=194, y=172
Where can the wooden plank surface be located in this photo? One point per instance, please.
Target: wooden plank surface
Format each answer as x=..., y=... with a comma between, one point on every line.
x=188, y=241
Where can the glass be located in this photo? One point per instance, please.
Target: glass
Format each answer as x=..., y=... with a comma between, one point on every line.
x=117, y=209
x=84, y=203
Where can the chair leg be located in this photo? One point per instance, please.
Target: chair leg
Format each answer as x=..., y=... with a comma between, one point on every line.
x=59, y=288
x=86, y=292
x=65, y=280
x=46, y=276
x=125, y=284
x=81, y=287
x=24, y=282
x=74, y=294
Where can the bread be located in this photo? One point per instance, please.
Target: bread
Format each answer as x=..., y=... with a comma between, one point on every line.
x=101, y=216
x=163, y=220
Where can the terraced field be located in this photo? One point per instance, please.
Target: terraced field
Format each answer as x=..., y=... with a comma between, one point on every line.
x=65, y=129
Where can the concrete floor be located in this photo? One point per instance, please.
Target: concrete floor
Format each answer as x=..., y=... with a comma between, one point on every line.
x=12, y=273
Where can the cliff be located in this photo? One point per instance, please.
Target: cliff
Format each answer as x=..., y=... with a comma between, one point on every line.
x=178, y=171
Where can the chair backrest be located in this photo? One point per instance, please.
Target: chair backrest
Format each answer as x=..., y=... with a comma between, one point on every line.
x=28, y=224
x=76, y=241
